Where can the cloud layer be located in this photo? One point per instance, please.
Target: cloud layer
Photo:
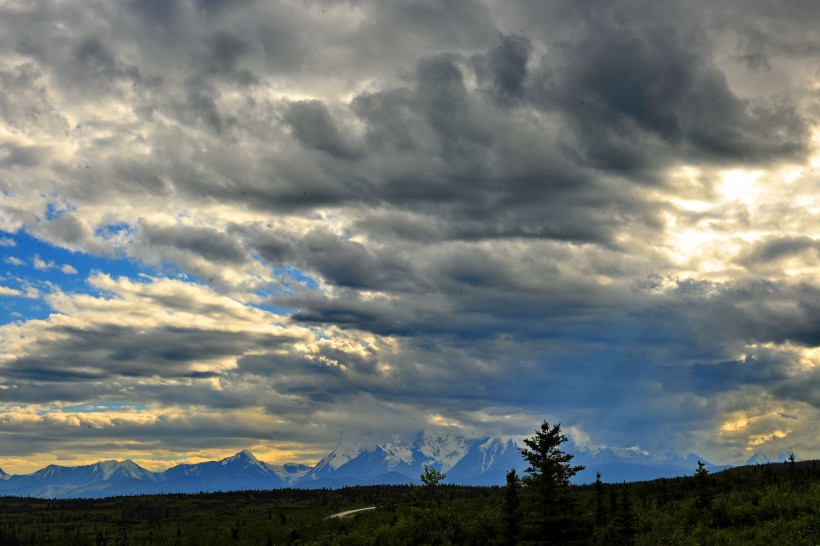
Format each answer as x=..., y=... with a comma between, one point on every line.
x=376, y=217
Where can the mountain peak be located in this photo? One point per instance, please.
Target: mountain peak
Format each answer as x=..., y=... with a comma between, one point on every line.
x=469, y=461
x=758, y=458
x=243, y=457
x=762, y=458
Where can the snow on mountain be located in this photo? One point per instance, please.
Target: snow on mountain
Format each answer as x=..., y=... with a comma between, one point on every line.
x=446, y=450
x=99, y=479
x=397, y=451
x=93, y=473
x=289, y=472
x=619, y=464
x=109, y=470
x=240, y=471
x=481, y=461
x=487, y=462
x=245, y=460
x=760, y=458
x=472, y=462
x=396, y=461
x=331, y=462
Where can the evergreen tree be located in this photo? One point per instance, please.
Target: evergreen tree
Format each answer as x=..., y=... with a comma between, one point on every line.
x=510, y=507
x=625, y=520
x=792, y=467
x=600, y=510
x=553, y=519
x=702, y=486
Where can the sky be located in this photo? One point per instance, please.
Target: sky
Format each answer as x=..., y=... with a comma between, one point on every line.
x=269, y=225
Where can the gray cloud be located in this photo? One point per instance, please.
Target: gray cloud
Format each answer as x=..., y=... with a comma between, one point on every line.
x=205, y=242
x=505, y=67
x=484, y=210
x=777, y=248
x=634, y=88
x=314, y=127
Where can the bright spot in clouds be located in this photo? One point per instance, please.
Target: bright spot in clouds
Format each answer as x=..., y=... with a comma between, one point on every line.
x=255, y=225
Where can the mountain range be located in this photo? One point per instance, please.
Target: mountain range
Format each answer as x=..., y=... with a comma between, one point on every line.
x=483, y=461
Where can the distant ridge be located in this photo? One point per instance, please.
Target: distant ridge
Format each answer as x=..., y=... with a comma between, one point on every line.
x=478, y=461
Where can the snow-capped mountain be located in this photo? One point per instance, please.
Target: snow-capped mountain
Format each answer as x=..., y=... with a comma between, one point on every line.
x=760, y=458
x=3, y=475
x=481, y=461
x=391, y=462
x=487, y=462
x=471, y=462
x=446, y=450
x=240, y=471
x=629, y=464
x=331, y=462
x=105, y=478
x=289, y=472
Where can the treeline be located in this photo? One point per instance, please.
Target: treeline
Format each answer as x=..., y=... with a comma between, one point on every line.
x=286, y=516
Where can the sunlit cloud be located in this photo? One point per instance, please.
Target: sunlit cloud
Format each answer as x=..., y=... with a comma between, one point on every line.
x=465, y=216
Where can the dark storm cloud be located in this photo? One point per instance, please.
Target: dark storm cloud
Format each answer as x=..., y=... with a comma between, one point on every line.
x=445, y=102
x=778, y=248
x=215, y=7
x=768, y=30
x=634, y=89
x=473, y=202
x=90, y=354
x=201, y=241
x=21, y=156
x=351, y=264
x=160, y=12
x=314, y=127
x=505, y=67
x=721, y=319
x=69, y=231
x=100, y=63
x=224, y=55
x=450, y=24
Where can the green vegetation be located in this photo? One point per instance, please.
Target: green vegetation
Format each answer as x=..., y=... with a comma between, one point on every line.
x=552, y=516
x=766, y=504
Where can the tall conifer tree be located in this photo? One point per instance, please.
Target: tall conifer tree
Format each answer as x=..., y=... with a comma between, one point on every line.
x=553, y=518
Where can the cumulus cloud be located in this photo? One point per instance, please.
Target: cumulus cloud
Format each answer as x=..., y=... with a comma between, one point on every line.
x=6, y=291
x=41, y=264
x=393, y=207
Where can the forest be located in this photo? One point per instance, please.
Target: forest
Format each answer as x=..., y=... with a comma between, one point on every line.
x=776, y=503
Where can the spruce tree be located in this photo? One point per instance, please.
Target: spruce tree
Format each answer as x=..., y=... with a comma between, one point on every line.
x=510, y=508
x=553, y=518
x=600, y=510
x=703, y=487
x=625, y=520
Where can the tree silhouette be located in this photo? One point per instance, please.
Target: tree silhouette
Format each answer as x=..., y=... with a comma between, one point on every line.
x=702, y=486
x=553, y=518
x=510, y=507
x=600, y=510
